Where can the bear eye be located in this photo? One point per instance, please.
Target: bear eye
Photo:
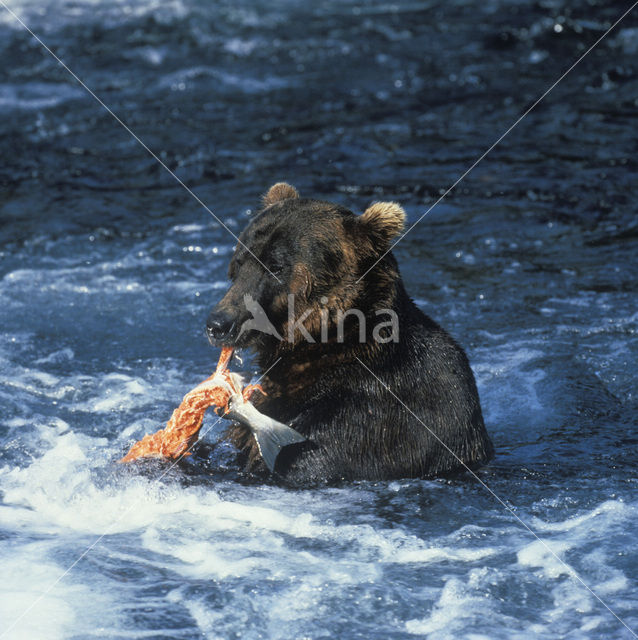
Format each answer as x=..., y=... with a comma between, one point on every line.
x=276, y=264
x=276, y=269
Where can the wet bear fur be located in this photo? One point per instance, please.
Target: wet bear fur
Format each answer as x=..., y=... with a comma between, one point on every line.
x=370, y=410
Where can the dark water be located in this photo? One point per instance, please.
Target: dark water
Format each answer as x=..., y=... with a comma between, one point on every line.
x=108, y=269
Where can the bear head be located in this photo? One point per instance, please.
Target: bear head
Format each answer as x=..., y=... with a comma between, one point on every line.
x=299, y=264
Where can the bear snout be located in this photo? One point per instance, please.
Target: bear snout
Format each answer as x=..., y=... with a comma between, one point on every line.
x=219, y=326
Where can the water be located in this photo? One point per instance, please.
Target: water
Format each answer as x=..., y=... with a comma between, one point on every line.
x=108, y=269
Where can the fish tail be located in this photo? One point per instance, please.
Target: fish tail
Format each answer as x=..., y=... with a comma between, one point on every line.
x=272, y=438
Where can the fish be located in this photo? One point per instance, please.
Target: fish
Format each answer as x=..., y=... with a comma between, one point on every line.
x=225, y=390
x=270, y=435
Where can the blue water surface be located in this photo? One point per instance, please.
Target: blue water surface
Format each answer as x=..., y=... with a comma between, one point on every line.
x=108, y=268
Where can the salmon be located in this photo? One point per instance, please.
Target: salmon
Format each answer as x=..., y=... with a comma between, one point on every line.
x=225, y=391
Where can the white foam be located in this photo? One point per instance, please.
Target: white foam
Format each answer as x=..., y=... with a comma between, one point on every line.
x=39, y=600
x=242, y=47
x=457, y=606
x=61, y=355
x=57, y=491
x=440, y=554
x=510, y=371
x=117, y=391
x=179, y=80
x=27, y=574
x=607, y=513
x=37, y=95
x=269, y=536
x=187, y=228
x=545, y=556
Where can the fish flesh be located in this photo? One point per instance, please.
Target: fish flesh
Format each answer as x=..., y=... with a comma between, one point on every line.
x=224, y=390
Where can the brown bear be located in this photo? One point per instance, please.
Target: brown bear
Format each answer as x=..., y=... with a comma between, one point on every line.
x=378, y=389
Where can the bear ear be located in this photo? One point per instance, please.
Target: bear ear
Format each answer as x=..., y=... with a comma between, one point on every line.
x=384, y=221
x=278, y=192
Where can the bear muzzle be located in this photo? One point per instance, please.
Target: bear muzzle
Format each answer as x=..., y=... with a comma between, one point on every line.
x=220, y=328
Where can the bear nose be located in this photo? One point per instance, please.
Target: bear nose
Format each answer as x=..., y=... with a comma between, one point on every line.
x=218, y=326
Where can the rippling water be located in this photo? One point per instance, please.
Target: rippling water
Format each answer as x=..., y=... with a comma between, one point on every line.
x=108, y=269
